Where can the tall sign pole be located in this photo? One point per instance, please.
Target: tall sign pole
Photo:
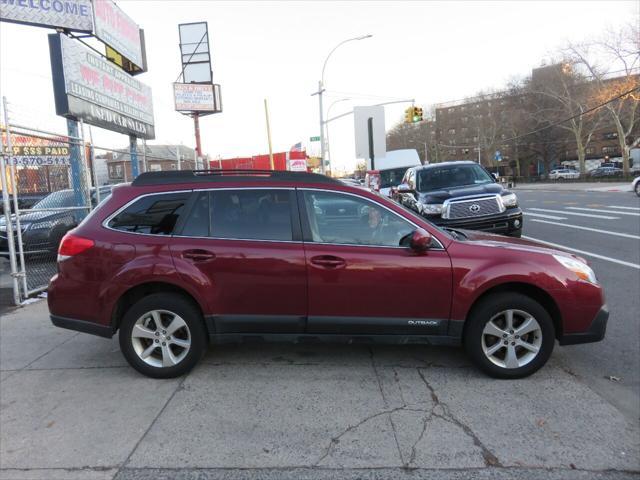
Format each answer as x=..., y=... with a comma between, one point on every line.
x=75, y=161
x=133, y=153
x=196, y=126
x=322, y=139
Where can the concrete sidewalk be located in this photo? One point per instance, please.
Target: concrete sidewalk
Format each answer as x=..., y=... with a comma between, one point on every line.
x=72, y=409
x=569, y=186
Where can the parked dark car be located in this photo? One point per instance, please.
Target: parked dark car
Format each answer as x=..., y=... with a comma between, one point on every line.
x=44, y=225
x=606, y=172
x=460, y=194
x=177, y=260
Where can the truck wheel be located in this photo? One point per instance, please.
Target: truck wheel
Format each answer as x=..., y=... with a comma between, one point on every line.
x=163, y=335
x=509, y=335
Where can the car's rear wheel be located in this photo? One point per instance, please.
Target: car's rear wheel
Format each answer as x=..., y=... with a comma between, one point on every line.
x=509, y=335
x=637, y=188
x=163, y=335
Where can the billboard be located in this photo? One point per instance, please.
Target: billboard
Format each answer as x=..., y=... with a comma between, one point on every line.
x=73, y=15
x=197, y=97
x=116, y=29
x=89, y=87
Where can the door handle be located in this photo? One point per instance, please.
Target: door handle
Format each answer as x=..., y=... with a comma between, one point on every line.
x=328, y=261
x=198, y=255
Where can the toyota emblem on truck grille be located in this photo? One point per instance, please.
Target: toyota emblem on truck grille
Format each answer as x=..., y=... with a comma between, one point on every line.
x=475, y=208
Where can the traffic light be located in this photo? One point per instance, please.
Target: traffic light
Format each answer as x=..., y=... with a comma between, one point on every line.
x=408, y=115
x=417, y=114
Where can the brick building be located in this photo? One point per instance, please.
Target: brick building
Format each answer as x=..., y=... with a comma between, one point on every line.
x=479, y=127
x=158, y=158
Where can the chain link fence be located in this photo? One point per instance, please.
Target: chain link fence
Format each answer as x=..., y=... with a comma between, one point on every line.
x=46, y=193
x=43, y=198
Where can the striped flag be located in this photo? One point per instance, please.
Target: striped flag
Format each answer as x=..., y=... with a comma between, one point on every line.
x=297, y=147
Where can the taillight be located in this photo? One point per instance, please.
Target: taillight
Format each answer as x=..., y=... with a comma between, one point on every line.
x=73, y=245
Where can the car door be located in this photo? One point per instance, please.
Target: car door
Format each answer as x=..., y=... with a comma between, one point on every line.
x=244, y=247
x=362, y=278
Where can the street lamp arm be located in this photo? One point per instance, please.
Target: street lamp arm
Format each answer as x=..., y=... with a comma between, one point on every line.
x=324, y=65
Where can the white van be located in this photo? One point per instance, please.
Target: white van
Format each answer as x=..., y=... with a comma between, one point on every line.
x=390, y=170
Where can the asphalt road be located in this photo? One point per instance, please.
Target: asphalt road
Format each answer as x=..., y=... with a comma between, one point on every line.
x=604, y=228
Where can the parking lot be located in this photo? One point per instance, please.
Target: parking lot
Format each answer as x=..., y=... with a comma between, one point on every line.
x=72, y=408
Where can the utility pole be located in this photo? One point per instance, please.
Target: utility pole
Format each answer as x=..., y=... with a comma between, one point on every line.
x=322, y=139
x=266, y=113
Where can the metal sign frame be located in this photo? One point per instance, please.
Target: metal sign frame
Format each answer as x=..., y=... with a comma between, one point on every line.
x=192, y=58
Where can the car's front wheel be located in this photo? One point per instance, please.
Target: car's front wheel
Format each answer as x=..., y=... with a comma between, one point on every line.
x=163, y=335
x=509, y=335
x=637, y=188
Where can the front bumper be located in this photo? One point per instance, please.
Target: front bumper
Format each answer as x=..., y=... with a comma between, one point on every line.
x=509, y=221
x=595, y=333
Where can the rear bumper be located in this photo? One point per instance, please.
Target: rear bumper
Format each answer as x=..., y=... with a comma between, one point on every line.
x=82, y=326
x=509, y=221
x=595, y=333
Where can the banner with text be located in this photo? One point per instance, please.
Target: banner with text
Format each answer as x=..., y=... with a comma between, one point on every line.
x=88, y=87
x=74, y=15
x=118, y=30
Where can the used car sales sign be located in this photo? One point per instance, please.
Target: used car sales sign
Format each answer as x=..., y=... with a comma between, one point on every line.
x=88, y=87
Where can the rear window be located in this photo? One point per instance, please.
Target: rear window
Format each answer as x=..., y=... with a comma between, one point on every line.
x=153, y=214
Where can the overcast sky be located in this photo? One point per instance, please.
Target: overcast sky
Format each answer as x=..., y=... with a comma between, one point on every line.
x=431, y=51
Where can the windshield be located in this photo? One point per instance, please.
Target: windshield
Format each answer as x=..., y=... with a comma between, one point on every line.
x=452, y=176
x=61, y=199
x=392, y=178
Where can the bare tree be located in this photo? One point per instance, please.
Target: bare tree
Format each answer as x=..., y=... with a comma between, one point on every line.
x=618, y=52
x=564, y=93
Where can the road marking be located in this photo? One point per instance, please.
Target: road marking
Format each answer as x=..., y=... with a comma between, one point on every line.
x=607, y=232
x=551, y=217
x=573, y=203
x=625, y=208
x=633, y=214
x=575, y=213
x=589, y=254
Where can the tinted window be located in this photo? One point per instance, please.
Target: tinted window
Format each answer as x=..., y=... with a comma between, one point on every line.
x=251, y=214
x=452, y=176
x=336, y=218
x=60, y=199
x=198, y=223
x=155, y=214
x=391, y=178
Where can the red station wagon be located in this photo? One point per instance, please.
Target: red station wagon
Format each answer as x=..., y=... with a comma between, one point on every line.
x=177, y=260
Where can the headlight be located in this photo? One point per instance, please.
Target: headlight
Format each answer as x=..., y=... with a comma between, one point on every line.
x=510, y=200
x=431, y=208
x=582, y=270
x=43, y=225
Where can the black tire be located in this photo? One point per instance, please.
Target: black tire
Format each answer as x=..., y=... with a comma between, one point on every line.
x=487, y=309
x=178, y=305
x=637, y=189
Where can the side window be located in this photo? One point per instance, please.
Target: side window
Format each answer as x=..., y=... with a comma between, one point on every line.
x=155, y=214
x=198, y=223
x=251, y=214
x=338, y=218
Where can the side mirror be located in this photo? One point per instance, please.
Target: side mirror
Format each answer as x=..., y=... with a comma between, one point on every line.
x=404, y=188
x=420, y=240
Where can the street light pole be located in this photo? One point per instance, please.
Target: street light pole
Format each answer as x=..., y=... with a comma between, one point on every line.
x=320, y=92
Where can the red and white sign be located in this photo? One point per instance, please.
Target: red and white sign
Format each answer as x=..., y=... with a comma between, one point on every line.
x=297, y=165
x=118, y=30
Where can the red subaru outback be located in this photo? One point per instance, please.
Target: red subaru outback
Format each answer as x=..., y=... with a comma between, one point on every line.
x=177, y=260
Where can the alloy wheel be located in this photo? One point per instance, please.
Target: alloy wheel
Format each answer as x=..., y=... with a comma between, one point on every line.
x=511, y=339
x=161, y=338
